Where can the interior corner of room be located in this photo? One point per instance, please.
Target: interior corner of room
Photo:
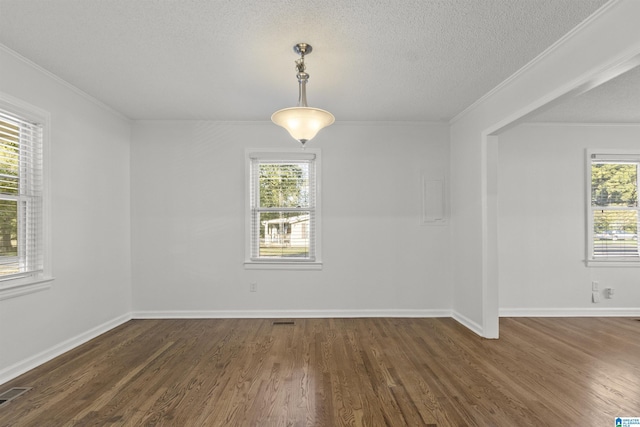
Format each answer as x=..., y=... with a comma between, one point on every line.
x=449, y=187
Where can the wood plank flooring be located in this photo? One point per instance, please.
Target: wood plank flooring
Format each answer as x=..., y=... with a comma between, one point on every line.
x=339, y=372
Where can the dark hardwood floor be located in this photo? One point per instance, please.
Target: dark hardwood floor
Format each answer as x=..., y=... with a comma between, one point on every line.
x=339, y=372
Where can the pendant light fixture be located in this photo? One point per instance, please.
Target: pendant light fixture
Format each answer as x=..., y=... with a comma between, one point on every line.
x=302, y=122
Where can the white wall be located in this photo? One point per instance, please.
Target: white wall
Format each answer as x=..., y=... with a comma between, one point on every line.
x=188, y=222
x=90, y=224
x=609, y=39
x=542, y=222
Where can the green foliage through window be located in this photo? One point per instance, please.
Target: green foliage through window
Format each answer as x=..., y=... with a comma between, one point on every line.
x=9, y=178
x=614, y=206
x=614, y=184
x=284, y=211
x=21, y=193
x=284, y=185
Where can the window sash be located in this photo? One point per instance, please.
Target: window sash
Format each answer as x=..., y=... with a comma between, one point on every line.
x=21, y=159
x=309, y=208
x=613, y=226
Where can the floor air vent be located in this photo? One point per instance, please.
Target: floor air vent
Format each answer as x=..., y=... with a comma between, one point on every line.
x=284, y=322
x=12, y=393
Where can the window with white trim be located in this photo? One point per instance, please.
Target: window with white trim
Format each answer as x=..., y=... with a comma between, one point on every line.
x=613, y=211
x=21, y=198
x=283, y=209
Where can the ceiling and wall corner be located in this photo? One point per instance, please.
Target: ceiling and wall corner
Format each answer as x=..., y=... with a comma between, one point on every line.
x=90, y=224
x=228, y=61
x=611, y=42
x=217, y=60
x=615, y=101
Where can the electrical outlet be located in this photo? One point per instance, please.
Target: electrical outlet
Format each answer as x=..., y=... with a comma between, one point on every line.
x=253, y=287
x=594, y=286
x=595, y=297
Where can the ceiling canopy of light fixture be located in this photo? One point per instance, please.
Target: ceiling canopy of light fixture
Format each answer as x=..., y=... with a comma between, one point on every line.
x=302, y=122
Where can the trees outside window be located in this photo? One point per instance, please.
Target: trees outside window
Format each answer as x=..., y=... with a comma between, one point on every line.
x=283, y=186
x=21, y=197
x=9, y=178
x=283, y=211
x=614, y=207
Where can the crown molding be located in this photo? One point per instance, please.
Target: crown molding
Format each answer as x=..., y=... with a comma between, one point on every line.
x=535, y=61
x=63, y=82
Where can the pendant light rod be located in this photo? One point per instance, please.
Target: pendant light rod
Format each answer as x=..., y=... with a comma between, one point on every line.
x=302, y=122
x=302, y=49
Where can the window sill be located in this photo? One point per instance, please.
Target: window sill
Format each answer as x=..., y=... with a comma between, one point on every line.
x=612, y=263
x=25, y=288
x=282, y=265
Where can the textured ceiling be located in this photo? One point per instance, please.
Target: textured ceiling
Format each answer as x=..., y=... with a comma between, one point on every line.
x=233, y=59
x=616, y=101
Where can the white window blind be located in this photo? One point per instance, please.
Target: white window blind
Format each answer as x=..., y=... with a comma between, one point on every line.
x=21, y=197
x=613, y=207
x=282, y=205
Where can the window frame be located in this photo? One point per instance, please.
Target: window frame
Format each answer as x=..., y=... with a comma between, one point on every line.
x=284, y=154
x=622, y=156
x=30, y=282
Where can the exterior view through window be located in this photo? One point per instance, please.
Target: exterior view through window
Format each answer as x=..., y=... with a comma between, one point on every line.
x=9, y=179
x=20, y=197
x=282, y=209
x=614, y=208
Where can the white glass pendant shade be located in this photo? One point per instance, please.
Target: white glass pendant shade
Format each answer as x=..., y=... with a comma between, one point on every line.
x=302, y=123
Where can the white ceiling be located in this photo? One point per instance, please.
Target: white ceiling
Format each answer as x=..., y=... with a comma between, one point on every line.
x=233, y=59
x=616, y=101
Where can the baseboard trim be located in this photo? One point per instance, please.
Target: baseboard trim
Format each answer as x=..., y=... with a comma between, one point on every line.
x=20, y=368
x=570, y=312
x=468, y=323
x=270, y=314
